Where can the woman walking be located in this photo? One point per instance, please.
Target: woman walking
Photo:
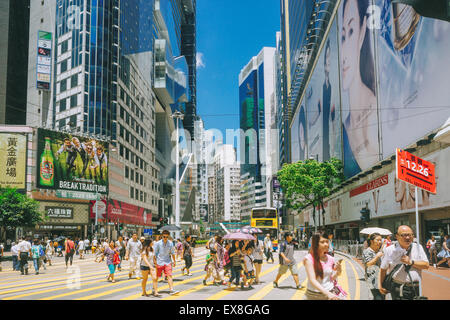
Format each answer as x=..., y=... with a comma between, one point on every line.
x=148, y=267
x=112, y=259
x=258, y=246
x=219, y=263
x=235, y=255
x=432, y=250
x=444, y=254
x=321, y=269
x=372, y=261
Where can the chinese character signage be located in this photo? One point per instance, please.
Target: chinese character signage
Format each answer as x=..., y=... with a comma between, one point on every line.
x=44, y=60
x=416, y=171
x=71, y=163
x=60, y=213
x=13, y=149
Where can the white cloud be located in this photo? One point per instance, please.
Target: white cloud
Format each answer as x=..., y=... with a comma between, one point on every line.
x=200, y=62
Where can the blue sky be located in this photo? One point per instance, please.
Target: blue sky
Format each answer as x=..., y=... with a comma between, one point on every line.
x=229, y=33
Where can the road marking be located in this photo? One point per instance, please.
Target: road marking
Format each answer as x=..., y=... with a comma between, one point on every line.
x=227, y=291
x=300, y=293
x=114, y=290
x=52, y=290
x=269, y=287
x=357, y=295
x=343, y=279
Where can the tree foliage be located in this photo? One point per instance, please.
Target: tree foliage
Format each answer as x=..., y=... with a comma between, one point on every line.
x=309, y=182
x=17, y=210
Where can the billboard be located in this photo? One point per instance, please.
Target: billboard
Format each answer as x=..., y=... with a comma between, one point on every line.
x=13, y=151
x=44, y=60
x=413, y=68
x=71, y=163
x=358, y=82
x=118, y=211
x=299, y=136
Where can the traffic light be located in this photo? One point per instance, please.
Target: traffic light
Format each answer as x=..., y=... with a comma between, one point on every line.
x=120, y=226
x=436, y=9
x=365, y=215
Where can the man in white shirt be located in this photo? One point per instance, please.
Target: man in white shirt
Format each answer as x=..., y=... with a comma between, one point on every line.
x=86, y=246
x=81, y=248
x=24, y=249
x=413, y=258
x=15, y=256
x=268, y=248
x=134, y=248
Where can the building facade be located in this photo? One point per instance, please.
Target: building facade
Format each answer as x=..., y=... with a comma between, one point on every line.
x=330, y=117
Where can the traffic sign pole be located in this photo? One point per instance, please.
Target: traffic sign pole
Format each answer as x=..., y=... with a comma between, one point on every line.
x=417, y=232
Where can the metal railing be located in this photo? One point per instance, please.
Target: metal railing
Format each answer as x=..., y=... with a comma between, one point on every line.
x=351, y=247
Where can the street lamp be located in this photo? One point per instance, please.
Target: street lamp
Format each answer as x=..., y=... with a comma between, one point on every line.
x=177, y=115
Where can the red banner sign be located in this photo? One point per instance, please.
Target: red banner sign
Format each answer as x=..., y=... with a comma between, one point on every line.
x=118, y=211
x=416, y=171
x=379, y=182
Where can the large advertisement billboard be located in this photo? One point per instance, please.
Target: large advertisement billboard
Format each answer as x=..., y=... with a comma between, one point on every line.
x=358, y=82
x=44, y=60
x=413, y=68
x=13, y=151
x=299, y=136
x=71, y=163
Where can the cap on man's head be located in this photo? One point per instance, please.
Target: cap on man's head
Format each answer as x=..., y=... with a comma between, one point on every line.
x=142, y=238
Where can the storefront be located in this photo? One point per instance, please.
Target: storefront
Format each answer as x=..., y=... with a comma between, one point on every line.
x=63, y=219
x=112, y=213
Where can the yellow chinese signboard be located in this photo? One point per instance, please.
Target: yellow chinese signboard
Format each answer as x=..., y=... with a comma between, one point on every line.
x=13, y=150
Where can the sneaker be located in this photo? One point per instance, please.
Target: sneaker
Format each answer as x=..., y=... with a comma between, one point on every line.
x=299, y=287
x=275, y=285
x=250, y=287
x=242, y=285
x=172, y=292
x=204, y=282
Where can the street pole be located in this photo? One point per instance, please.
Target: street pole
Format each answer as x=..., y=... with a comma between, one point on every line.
x=96, y=213
x=417, y=232
x=177, y=115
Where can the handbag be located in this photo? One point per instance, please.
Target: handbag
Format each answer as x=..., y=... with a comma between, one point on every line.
x=116, y=259
x=338, y=291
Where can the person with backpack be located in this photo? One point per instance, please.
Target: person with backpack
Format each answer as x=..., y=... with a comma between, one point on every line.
x=287, y=261
x=401, y=267
x=36, y=254
x=69, y=248
x=112, y=259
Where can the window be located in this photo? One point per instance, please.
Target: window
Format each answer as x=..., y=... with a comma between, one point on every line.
x=121, y=150
x=132, y=175
x=62, y=123
x=74, y=81
x=137, y=177
x=127, y=154
x=64, y=66
x=63, y=85
x=137, y=194
x=142, y=179
x=73, y=101
x=121, y=130
x=73, y=121
x=131, y=192
x=64, y=46
x=127, y=172
x=142, y=196
x=62, y=105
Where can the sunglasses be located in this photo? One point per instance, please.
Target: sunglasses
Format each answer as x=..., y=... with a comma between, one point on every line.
x=165, y=237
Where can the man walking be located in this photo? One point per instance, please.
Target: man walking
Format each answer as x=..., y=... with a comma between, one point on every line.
x=15, y=256
x=268, y=248
x=164, y=251
x=187, y=255
x=287, y=261
x=70, y=250
x=406, y=259
x=86, y=246
x=133, y=253
x=24, y=248
x=81, y=248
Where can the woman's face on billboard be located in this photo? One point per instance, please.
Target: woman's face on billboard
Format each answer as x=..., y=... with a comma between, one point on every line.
x=350, y=43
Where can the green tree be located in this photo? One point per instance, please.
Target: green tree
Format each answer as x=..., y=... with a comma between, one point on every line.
x=17, y=210
x=309, y=182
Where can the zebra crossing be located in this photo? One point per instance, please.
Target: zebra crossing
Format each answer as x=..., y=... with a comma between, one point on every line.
x=86, y=280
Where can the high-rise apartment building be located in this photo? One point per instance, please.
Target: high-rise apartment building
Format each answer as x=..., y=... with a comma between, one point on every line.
x=14, y=44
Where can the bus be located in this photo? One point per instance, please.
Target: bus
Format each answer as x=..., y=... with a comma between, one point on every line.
x=266, y=219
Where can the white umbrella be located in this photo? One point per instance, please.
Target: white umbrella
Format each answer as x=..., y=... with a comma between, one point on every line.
x=381, y=231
